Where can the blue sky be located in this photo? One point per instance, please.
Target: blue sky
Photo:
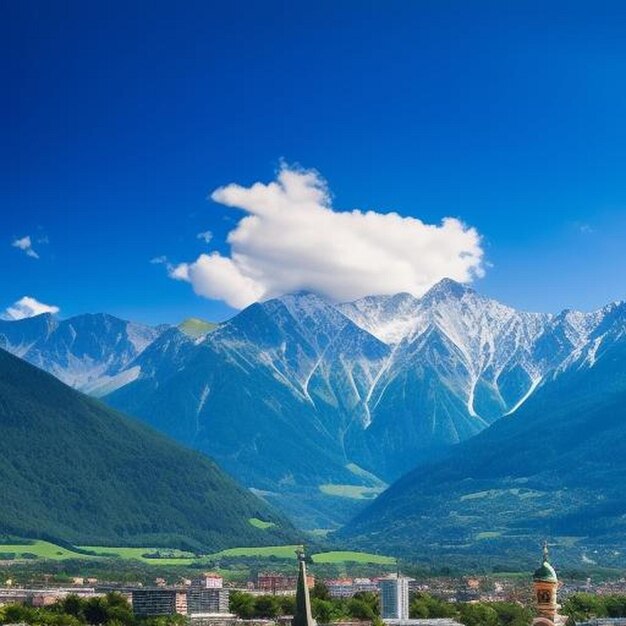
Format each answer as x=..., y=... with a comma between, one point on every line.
x=121, y=118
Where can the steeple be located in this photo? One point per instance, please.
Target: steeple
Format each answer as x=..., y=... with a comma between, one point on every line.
x=546, y=584
x=303, y=615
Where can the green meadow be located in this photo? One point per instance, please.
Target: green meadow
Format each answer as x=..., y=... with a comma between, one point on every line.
x=164, y=557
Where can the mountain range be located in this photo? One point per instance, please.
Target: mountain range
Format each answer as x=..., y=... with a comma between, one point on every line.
x=74, y=470
x=318, y=406
x=86, y=351
x=556, y=468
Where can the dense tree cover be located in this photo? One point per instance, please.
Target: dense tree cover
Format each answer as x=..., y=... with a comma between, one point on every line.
x=364, y=607
x=72, y=469
x=110, y=610
x=584, y=606
x=470, y=614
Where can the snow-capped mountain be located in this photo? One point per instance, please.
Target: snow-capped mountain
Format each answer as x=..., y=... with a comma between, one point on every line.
x=299, y=396
x=87, y=351
x=556, y=468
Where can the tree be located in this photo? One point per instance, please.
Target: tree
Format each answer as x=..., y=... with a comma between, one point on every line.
x=242, y=604
x=72, y=605
x=324, y=611
x=512, y=614
x=320, y=590
x=424, y=605
x=287, y=604
x=359, y=609
x=266, y=606
x=478, y=615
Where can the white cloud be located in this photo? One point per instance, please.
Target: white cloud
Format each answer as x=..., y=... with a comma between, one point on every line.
x=25, y=244
x=28, y=307
x=159, y=260
x=206, y=236
x=292, y=239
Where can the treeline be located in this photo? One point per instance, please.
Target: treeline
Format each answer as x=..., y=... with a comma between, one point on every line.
x=364, y=606
x=584, y=606
x=110, y=610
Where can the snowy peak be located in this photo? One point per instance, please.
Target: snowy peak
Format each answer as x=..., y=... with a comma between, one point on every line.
x=447, y=288
x=389, y=318
x=310, y=309
x=17, y=336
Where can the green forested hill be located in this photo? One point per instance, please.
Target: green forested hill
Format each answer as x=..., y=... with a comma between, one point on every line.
x=75, y=470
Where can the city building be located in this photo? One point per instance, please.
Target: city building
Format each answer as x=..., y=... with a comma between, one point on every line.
x=347, y=587
x=155, y=601
x=270, y=582
x=209, y=580
x=394, y=597
x=202, y=600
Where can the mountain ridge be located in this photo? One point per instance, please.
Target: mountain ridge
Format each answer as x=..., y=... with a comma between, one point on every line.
x=555, y=469
x=379, y=383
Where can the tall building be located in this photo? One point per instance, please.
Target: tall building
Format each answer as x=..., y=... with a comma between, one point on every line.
x=394, y=597
x=155, y=601
x=546, y=586
x=207, y=600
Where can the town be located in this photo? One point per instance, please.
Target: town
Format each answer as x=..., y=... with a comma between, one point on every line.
x=301, y=599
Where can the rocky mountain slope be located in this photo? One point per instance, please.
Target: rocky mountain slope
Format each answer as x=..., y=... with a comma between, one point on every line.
x=555, y=468
x=86, y=352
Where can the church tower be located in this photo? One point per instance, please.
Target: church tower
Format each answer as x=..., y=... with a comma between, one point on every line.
x=546, y=584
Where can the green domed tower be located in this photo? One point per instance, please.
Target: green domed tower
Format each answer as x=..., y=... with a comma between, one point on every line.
x=546, y=584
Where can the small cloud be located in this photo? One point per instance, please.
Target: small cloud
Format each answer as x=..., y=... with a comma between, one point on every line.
x=206, y=236
x=159, y=260
x=26, y=245
x=582, y=228
x=28, y=307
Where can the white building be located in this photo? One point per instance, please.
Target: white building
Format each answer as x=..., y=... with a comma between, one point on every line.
x=209, y=580
x=394, y=597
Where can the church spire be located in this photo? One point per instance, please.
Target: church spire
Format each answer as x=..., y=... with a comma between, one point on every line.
x=546, y=586
x=303, y=615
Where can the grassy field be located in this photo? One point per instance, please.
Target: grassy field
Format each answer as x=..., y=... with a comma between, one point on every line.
x=259, y=523
x=280, y=552
x=46, y=550
x=179, y=557
x=356, y=557
x=355, y=492
x=42, y=550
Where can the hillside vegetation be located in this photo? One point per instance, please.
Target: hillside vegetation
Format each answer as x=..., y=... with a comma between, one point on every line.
x=74, y=470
